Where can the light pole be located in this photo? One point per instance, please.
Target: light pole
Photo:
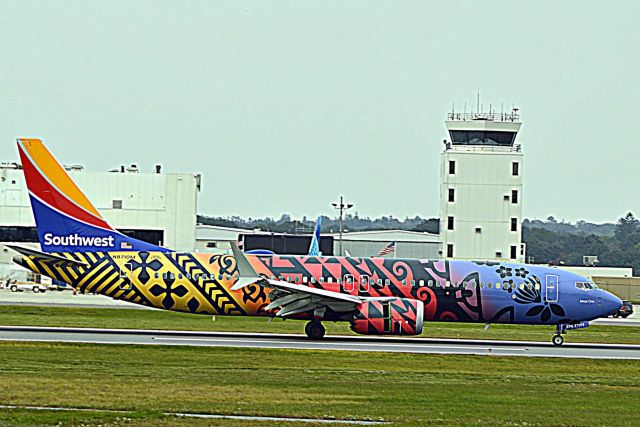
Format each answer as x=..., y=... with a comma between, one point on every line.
x=341, y=207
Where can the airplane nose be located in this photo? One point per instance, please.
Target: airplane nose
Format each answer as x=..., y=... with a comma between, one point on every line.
x=610, y=303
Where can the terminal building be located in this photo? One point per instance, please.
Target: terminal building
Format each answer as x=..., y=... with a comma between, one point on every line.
x=481, y=188
x=153, y=206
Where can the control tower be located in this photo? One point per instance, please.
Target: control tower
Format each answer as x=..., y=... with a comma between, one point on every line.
x=481, y=194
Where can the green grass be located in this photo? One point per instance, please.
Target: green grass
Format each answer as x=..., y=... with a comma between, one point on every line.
x=157, y=319
x=406, y=389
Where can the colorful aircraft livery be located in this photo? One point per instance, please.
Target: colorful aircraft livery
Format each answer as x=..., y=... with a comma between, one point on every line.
x=65, y=219
x=375, y=295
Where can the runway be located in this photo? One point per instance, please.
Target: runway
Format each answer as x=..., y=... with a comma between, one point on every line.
x=299, y=342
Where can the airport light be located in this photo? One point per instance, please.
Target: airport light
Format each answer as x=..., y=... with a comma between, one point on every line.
x=342, y=207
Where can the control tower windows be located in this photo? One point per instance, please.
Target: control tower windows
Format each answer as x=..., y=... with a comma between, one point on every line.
x=514, y=196
x=514, y=224
x=449, y=250
x=514, y=251
x=450, y=223
x=515, y=168
x=452, y=167
x=452, y=195
x=465, y=137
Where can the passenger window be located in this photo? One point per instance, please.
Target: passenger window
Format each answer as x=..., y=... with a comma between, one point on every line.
x=179, y=275
x=430, y=283
x=304, y=279
x=498, y=285
x=273, y=277
x=313, y=280
x=380, y=282
x=404, y=282
x=522, y=286
x=482, y=285
x=387, y=282
x=339, y=281
x=329, y=279
x=490, y=286
x=321, y=280
x=421, y=283
x=157, y=276
x=413, y=283
x=537, y=286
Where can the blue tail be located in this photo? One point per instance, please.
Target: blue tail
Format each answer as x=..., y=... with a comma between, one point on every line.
x=314, y=248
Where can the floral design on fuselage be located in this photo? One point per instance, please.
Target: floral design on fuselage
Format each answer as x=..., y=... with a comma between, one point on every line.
x=544, y=309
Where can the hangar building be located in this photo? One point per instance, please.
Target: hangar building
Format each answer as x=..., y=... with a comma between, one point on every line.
x=156, y=207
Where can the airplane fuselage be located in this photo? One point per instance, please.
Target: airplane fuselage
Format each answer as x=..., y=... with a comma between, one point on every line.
x=463, y=291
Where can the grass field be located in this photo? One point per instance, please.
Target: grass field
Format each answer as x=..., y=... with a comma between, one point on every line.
x=156, y=319
x=405, y=389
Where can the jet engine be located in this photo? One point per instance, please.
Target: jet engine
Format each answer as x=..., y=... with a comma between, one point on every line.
x=389, y=316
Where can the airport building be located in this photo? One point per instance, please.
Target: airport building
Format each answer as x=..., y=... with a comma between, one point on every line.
x=153, y=206
x=481, y=188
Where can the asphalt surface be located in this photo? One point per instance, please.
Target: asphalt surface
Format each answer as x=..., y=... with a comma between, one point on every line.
x=288, y=341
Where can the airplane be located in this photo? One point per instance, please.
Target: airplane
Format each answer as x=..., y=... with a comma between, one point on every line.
x=377, y=296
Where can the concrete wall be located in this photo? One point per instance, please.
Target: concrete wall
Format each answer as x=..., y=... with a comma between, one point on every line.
x=627, y=288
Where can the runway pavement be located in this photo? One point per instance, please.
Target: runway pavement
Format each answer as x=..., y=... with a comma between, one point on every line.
x=377, y=344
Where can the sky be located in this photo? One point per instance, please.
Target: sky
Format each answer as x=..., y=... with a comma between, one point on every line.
x=283, y=106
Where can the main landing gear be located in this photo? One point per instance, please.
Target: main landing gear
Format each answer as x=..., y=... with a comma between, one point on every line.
x=314, y=330
x=557, y=339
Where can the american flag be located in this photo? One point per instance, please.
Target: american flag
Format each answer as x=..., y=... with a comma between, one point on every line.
x=391, y=247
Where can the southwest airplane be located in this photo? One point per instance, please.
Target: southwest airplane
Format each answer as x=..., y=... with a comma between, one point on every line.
x=375, y=295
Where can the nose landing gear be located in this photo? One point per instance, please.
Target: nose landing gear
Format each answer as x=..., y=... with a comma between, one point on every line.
x=557, y=340
x=314, y=330
x=561, y=329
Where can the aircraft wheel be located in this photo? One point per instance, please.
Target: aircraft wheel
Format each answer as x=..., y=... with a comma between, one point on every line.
x=314, y=330
x=557, y=340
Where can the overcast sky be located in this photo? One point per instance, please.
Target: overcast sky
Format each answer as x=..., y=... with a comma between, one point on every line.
x=284, y=106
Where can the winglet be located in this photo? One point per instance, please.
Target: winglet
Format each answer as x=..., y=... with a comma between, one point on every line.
x=247, y=275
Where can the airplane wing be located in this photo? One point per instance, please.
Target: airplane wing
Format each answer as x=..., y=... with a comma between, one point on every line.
x=292, y=298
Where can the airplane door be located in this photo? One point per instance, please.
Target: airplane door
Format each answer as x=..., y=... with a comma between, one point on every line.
x=125, y=275
x=552, y=288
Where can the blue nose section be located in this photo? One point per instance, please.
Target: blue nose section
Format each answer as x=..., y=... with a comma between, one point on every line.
x=610, y=303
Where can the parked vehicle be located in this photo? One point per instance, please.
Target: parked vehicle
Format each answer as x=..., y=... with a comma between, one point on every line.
x=625, y=311
x=21, y=287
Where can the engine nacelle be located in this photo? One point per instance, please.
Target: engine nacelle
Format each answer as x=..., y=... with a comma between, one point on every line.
x=389, y=316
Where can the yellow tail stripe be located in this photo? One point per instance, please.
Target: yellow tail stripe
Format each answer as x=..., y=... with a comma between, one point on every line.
x=56, y=173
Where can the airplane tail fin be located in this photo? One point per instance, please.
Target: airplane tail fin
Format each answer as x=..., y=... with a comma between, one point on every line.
x=65, y=219
x=314, y=248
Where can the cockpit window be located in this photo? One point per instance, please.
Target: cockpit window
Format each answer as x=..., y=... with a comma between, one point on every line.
x=587, y=286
